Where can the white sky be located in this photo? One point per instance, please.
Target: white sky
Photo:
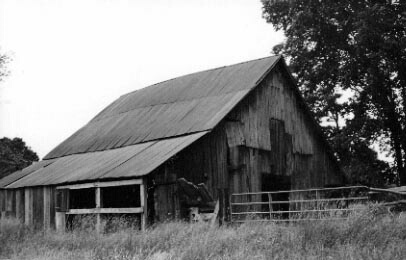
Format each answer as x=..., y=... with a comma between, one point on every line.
x=73, y=58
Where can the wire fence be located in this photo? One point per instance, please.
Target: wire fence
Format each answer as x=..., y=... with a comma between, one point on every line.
x=298, y=205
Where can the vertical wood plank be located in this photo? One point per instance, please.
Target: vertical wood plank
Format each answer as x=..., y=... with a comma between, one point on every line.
x=9, y=201
x=4, y=210
x=37, y=207
x=28, y=197
x=47, y=207
x=270, y=205
x=60, y=221
x=2, y=203
x=2, y=200
x=20, y=205
x=221, y=206
x=98, y=204
x=143, y=197
x=52, y=207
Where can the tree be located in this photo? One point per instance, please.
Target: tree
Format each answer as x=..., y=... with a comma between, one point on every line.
x=14, y=156
x=353, y=46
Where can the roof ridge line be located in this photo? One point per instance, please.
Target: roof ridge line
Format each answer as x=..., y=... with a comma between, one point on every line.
x=221, y=67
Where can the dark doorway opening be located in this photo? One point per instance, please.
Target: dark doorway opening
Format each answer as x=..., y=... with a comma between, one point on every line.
x=272, y=182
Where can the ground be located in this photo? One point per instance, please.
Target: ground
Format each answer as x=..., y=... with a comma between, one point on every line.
x=365, y=235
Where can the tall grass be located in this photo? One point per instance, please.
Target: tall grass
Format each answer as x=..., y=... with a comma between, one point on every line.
x=365, y=235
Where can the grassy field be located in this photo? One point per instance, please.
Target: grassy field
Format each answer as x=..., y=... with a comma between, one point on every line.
x=366, y=235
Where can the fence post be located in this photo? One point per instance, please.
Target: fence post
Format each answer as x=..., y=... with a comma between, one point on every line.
x=270, y=205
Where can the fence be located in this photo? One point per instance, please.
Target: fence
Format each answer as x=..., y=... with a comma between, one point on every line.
x=297, y=205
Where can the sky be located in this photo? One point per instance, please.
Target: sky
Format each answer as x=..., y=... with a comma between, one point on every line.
x=72, y=58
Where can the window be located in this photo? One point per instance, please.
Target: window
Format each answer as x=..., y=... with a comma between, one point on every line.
x=121, y=196
x=82, y=198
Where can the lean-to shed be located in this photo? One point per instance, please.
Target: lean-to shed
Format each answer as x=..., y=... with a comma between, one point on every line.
x=237, y=128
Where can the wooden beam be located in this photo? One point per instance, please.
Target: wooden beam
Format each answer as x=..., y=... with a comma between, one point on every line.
x=9, y=200
x=98, y=203
x=221, y=206
x=98, y=198
x=143, y=197
x=215, y=213
x=270, y=205
x=47, y=207
x=106, y=211
x=20, y=205
x=60, y=222
x=101, y=184
x=28, y=197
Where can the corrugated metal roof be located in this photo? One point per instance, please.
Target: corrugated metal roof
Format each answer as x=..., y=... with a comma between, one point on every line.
x=130, y=161
x=192, y=103
x=24, y=172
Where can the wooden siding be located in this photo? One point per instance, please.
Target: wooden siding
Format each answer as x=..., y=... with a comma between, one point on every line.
x=280, y=139
x=33, y=206
x=205, y=161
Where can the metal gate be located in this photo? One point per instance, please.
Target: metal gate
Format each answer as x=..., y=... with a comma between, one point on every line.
x=298, y=205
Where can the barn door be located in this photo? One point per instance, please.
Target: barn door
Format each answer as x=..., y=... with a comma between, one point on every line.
x=166, y=203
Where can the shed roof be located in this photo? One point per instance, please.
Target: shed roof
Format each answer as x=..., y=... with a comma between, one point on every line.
x=24, y=172
x=126, y=162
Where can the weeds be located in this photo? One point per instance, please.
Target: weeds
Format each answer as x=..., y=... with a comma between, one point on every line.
x=365, y=235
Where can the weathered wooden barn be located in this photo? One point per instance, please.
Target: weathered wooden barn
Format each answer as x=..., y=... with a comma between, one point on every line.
x=237, y=128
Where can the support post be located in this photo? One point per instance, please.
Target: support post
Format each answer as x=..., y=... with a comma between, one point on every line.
x=47, y=208
x=28, y=206
x=98, y=205
x=60, y=221
x=270, y=205
x=143, y=197
x=318, y=206
x=61, y=198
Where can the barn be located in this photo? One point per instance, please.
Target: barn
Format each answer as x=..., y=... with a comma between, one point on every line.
x=233, y=129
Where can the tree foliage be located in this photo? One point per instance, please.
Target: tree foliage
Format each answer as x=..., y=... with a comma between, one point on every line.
x=356, y=47
x=14, y=156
